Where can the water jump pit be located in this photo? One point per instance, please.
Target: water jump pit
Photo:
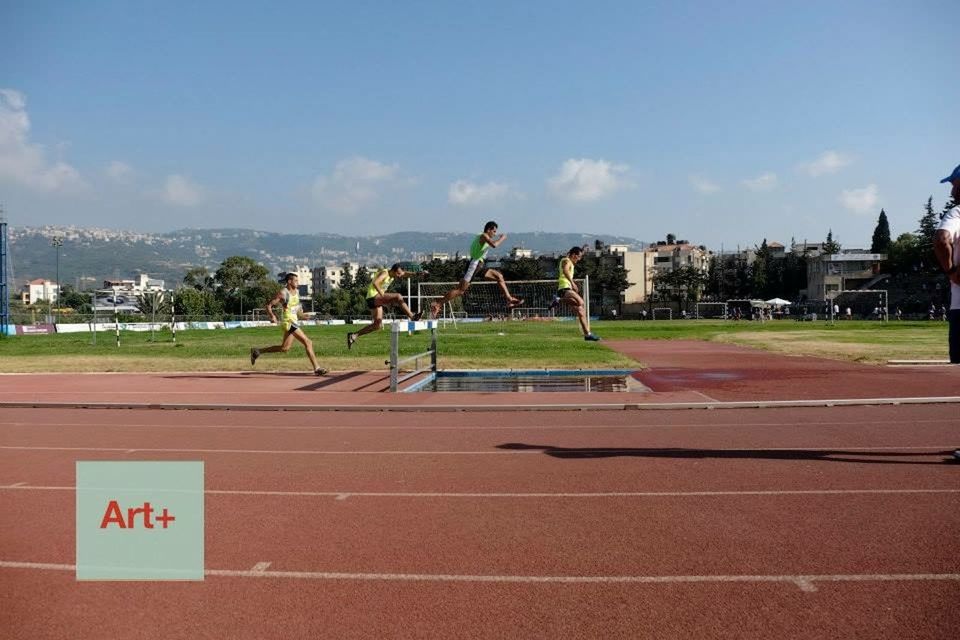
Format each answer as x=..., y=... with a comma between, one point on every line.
x=530, y=381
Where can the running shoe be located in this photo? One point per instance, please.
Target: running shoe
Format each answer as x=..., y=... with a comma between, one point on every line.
x=417, y=315
x=351, y=338
x=319, y=371
x=591, y=338
x=554, y=305
x=515, y=303
x=254, y=354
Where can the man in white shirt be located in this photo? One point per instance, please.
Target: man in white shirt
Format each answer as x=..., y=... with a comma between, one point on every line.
x=946, y=246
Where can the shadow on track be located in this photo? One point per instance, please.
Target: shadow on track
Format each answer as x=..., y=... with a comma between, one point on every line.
x=824, y=455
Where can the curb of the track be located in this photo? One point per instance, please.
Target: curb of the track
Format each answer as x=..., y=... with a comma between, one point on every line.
x=607, y=406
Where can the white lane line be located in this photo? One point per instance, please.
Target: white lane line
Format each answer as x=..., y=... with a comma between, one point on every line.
x=638, y=451
x=15, y=485
x=803, y=581
x=260, y=567
x=658, y=425
x=343, y=495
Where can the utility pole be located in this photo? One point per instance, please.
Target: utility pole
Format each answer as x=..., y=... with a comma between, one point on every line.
x=57, y=242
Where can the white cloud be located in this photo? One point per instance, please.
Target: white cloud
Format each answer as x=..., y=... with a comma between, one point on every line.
x=860, y=200
x=765, y=182
x=354, y=183
x=463, y=192
x=24, y=162
x=182, y=192
x=119, y=171
x=703, y=185
x=828, y=162
x=585, y=180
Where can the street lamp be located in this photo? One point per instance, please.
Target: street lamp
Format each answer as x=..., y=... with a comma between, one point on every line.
x=57, y=242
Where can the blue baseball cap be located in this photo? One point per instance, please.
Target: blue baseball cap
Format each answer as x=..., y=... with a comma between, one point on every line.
x=953, y=176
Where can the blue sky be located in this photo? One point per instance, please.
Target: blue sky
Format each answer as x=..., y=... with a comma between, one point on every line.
x=719, y=122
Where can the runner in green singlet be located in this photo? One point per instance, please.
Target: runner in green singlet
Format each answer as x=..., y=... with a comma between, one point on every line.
x=378, y=298
x=289, y=299
x=478, y=253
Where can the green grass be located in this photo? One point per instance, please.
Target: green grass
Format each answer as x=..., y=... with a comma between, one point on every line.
x=480, y=345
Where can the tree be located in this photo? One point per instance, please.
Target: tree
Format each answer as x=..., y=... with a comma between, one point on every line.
x=346, y=280
x=151, y=303
x=830, y=247
x=70, y=297
x=444, y=270
x=192, y=304
x=237, y=271
x=881, y=235
x=683, y=282
x=903, y=254
x=241, y=282
x=929, y=222
x=522, y=269
x=758, y=273
x=362, y=280
x=199, y=278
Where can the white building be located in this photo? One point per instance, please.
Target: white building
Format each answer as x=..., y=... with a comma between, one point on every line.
x=39, y=289
x=327, y=278
x=442, y=256
x=141, y=284
x=520, y=252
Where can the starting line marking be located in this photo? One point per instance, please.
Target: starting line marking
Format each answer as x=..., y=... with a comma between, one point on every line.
x=344, y=495
x=639, y=451
x=806, y=583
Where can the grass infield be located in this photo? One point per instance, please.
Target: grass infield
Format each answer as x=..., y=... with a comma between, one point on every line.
x=477, y=345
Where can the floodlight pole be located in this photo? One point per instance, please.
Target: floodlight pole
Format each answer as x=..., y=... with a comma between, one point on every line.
x=57, y=242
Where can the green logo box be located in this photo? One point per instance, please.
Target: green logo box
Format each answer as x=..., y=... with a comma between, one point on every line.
x=139, y=520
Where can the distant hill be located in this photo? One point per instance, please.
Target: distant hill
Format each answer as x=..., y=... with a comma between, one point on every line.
x=90, y=255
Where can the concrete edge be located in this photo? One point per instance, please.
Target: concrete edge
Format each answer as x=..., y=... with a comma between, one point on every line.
x=613, y=406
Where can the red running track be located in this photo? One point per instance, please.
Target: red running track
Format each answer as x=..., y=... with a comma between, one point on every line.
x=787, y=523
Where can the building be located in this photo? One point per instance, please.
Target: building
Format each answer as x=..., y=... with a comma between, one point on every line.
x=668, y=257
x=442, y=256
x=520, y=252
x=845, y=271
x=640, y=268
x=39, y=289
x=327, y=278
x=141, y=284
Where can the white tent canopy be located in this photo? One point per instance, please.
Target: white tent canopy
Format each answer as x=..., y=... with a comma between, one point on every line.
x=778, y=301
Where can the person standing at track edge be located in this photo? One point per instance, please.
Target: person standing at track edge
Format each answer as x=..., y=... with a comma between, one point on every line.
x=289, y=299
x=478, y=254
x=569, y=294
x=946, y=247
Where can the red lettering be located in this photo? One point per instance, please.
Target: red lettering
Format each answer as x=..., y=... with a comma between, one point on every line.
x=113, y=515
x=164, y=518
x=132, y=513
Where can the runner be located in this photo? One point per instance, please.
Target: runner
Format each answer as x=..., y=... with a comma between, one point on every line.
x=378, y=298
x=569, y=292
x=478, y=253
x=289, y=299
